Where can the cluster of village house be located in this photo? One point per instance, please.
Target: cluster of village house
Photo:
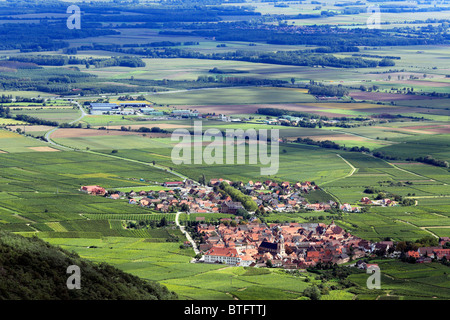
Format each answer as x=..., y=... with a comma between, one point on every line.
x=187, y=196
x=296, y=245
x=288, y=245
x=427, y=254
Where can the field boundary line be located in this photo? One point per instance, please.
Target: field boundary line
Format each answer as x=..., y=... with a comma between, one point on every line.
x=141, y=162
x=407, y=171
x=351, y=166
x=421, y=228
x=354, y=169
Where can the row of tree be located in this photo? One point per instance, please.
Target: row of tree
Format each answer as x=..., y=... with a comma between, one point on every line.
x=237, y=196
x=329, y=91
x=62, y=60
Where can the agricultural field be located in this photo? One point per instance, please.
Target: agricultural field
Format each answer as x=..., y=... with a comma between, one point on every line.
x=402, y=281
x=375, y=109
x=43, y=201
x=233, y=96
x=168, y=264
x=14, y=142
x=60, y=114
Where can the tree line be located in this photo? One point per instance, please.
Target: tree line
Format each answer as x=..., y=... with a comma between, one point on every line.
x=296, y=57
x=246, y=201
x=61, y=60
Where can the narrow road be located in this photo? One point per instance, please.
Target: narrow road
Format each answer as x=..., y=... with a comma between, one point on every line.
x=49, y=133
x=351, y=166
x=348, y=175
x=83, y=113
x=188, y=236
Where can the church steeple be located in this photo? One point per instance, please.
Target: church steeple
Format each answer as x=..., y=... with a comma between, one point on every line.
x=280, y=246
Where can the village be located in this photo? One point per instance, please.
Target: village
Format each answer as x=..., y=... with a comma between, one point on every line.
x=190, y=197
x=301, y=245
x=287, y=245
x=238, y=242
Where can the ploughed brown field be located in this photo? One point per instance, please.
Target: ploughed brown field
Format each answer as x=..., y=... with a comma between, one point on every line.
x=43, y=149
x=439, y=129
x=333, y=137
x=413, y=129
x=383, y=96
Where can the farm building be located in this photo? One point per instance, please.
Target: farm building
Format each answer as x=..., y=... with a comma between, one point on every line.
x=291, y=118
x=94, y=190
x=185, y=113
x=152, y=112
x=133, y=104
x=146, y=109
x=173, y=184
x=103, y=108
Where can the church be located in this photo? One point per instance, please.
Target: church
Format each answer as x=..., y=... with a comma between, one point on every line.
x=275, y=248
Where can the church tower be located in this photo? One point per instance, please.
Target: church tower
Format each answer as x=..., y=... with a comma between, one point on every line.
x=280, y=246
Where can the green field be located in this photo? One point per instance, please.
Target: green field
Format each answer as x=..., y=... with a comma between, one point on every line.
x=399, y=111
x=224, y=96
x=60, y=115
x=14, y=142
x=404, y=281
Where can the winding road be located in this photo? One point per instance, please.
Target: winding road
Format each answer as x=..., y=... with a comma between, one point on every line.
x=49, y=133
x=351, y=166
x=83, y=114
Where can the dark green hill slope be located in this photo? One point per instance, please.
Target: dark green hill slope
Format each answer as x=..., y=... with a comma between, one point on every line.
x=31, y=269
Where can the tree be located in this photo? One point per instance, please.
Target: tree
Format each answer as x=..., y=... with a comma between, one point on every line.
x=163, y=222
x=312, y=292
x=202, y=179
x=293, y=80
x=427, y=241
